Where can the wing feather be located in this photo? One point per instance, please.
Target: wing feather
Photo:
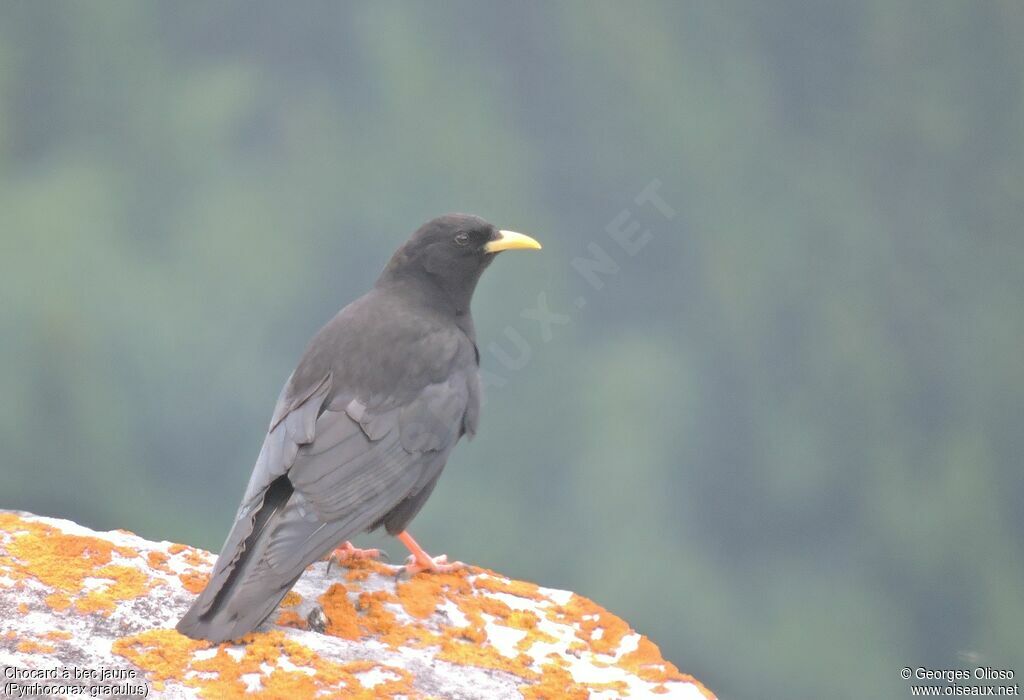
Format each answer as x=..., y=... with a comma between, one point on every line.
x=333, y=464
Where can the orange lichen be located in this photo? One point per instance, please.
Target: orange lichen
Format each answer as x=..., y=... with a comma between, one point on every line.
x=291, y=599
x=495, y=608
x=620, y=688
x=195, y=557
x=357, y=575
x=342, y=620
x=22, y=608
x=499, y=584
x=57, y=601
x=163, y=654
x=532, y=637
x=129, y=582
x=226, y=672
x=525, y=620
x=30, y=647
x=126, y=583
x=94, y=601
x=556, y=681
x=380, y=622
x=166, y=655
x=588, y=618
x=158, y=560
x=483, y=656
x=360, y=569
x=598, y=630
x=474, y=632
x=555, y=684
x=400, y=685
x=421, y=595
x=193, y=581
x=290, y=618
x=646, y=663
x=57, y=634
x=467, y=645
x=63, y=562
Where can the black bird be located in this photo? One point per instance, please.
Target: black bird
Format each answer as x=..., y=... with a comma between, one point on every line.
x=362, y=428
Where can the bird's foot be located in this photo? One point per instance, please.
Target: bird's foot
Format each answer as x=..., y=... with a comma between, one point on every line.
x=348, y=552
x=435, y=565
x=419, y=560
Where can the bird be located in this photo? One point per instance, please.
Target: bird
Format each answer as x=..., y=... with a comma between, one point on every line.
x=362, y=428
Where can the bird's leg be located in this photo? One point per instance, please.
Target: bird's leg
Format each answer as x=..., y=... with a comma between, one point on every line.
x=349, y=552
x=421, y=561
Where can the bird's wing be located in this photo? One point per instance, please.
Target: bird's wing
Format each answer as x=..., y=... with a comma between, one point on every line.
x=328, y=470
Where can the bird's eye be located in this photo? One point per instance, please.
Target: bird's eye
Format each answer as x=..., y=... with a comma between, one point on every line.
x=462, y=238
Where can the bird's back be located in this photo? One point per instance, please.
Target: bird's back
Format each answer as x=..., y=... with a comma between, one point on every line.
x=358, y=438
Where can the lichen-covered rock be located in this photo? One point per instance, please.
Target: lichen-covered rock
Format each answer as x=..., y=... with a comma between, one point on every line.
x=97, y=610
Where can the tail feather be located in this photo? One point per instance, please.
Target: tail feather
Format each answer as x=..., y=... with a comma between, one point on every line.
x=267, y=550
x=246, y=586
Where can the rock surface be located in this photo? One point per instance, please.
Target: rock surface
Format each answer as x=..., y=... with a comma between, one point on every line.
x=88, y=613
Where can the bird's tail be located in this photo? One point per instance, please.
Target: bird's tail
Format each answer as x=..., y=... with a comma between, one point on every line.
x=258, y=565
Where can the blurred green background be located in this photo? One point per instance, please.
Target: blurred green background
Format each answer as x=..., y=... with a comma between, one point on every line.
x=783, y=439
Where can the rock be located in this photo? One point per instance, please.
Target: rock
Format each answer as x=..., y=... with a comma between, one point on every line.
x=96, y=611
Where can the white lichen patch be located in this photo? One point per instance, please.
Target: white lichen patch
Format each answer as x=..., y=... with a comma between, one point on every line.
x=377, y=675
x=503, y=638
x=253, y=682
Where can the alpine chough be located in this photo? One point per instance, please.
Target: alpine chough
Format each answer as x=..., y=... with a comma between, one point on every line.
x=362, y=428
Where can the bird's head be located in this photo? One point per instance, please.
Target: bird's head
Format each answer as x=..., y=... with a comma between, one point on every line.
x=450, y=253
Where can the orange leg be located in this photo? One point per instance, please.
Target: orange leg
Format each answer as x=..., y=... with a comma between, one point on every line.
x=421, y=561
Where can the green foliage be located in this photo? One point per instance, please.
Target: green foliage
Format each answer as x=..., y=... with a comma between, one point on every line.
x=784, y=439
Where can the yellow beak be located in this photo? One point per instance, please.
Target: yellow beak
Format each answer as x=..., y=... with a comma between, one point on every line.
x=510, y=240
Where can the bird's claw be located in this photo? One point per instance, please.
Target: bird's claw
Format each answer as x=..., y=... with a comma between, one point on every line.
x=437, y=565
x=348, y=552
